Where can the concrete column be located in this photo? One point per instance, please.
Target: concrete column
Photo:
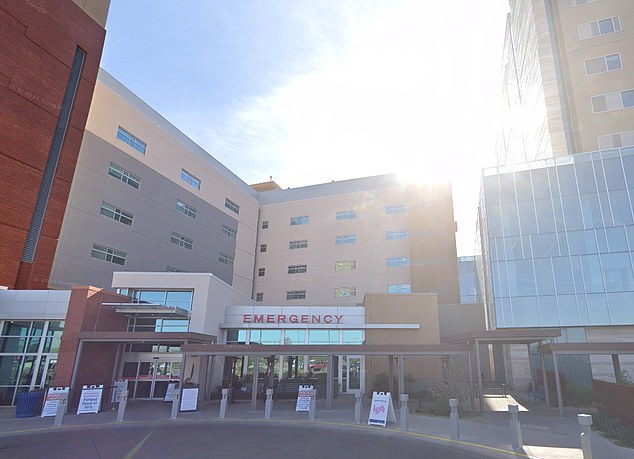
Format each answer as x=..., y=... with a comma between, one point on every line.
x=311, y=408
x=223, y=403
x=122, y=406
x=454, y=419
x=530, y=367
x=516, y=429
x=585, y=421
x=357, y=407
x=479, y=368
x=470, y=382
x=176, y=402
x=202, y=377
x=73, y=378
x=560, y=401
x=329, y=383
x=404, y=411
x=546, y=391
x=61, y=410
x=268, y=406
x=254, y=384
x=390, y=376
x=616, y=364
x=401, y=374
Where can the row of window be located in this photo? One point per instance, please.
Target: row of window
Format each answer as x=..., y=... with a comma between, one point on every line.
x=293, y=336
x=340, y=215
x=340, y=292
x=341, y=239
x=346, y=265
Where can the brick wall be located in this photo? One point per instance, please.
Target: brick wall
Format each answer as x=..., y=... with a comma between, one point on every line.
x=616, y=400
x=39, y=39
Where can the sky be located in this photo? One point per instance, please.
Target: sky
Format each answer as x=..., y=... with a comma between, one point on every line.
x=311, y=91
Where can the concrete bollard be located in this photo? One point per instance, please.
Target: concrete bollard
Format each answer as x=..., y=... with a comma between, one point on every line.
x=268, y=405
x=585, y=421
x=122, y=406
x=175, y=403
x=516, y=429
x=454, y=419
x=223, y=403
x=357, y=407
x=404, y=411
x=311, y=409
x=61, y=410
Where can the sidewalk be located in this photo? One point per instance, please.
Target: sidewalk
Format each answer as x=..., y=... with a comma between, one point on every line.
x=546, y=435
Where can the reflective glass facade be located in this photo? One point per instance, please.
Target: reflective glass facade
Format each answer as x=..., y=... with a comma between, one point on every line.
x=557, y=240
x=467, y=276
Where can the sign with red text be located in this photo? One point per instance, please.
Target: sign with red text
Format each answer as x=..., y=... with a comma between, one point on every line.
x=381, y=410
x=292, y=318
x=90, y=400
x=303, y=398
x=53, y=396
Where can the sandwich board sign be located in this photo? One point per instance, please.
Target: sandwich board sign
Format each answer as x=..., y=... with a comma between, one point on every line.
x=303, y=398
x=90, y=400
x=53, y=397
x=189, y=399
x=120, y=386
x=382, y=409
x=169, y=394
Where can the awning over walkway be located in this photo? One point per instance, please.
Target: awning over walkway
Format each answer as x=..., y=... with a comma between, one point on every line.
x=145, y=337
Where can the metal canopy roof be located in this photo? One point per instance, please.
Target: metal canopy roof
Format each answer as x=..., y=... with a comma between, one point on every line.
x=599, y=348
x=147, y=310
x=145, y=337
x=504, y=336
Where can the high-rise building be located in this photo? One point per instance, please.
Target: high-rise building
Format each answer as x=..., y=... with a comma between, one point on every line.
x=568, y=80
x=50, y=56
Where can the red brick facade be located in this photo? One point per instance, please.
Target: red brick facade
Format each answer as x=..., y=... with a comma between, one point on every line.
x=39, y=40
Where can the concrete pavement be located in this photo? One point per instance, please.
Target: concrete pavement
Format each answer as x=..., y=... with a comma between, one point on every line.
x=546, y=435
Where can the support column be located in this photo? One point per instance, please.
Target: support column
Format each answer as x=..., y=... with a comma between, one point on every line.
x=202, y=377
x=254, y=384
x=616, y=364
x=478, y=364
x=329, y=382
x=401, y=374
x=73, y=377
x=560, y=401
x=390, y=376
x=530, y=367
x=470, y=382
x=546, y=392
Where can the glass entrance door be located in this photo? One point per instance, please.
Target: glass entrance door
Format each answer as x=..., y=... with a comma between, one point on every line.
x=351, y=373
x=149, y=379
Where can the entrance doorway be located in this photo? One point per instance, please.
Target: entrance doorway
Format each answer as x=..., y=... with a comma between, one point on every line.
x=351, y=371
x=148, y=378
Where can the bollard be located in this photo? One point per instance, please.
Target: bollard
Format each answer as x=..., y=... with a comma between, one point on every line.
x=61, y=410
x=516, y=429
x=585, y=421
x=223, y=403
x=357, y=407
x=268, y=405
x=454, y=419
x=122, y=406
x=176, y=403
x=404, y=411
x=311, y=410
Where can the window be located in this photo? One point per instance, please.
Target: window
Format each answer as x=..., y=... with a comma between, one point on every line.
x=120, y=215
x=263, y=248
x=131, y=140
x=396, y=209
x=601, y=64
x=259, y=297
x=189, y=178
x=296, y=295
x=181, y=240
x=265, y=224
x=186, y=209
x=301, y=244
x=613, y=101
x=345, y=292
x=303, y=220
x=297, y=269
x=231, y=233
x=397, y=261
x=232, y=206
x=598, y=28
x=175, y=298
x=171, y=269
x=582, y=2
x=618, y=140
x=346, y=215
x=346, y=239
x=399, y=288
x=125, y=176
x=346, y=265
x=261, y=272
x=397, y=234
x=225, y=259
x=108, y=254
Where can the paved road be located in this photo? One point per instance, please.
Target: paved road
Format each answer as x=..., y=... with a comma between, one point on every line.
x=227, y=440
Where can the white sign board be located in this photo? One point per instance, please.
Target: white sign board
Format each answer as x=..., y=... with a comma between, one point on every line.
x=90, y=400
x=303, y=398
x=120, y=386
x=382, y=409
x=169, y=395
x=189, y=398
x=52, y=400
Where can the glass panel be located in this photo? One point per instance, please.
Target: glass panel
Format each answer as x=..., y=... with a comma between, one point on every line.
x=602, y=240
x=614, y=173
x=13, y=344
x=548, y=311
x=591, y=210
x=525, y=311
x=294, y=336
x=34, y=343
x=510, y=222
x=598, y=170
x=621, y=207
x=130, y=370
x=271, y=336
x=491, y=192
x=9, y=365
x=6, y=395
x=563, y=275
x=513, y=248
x=567, y=182
x=151, y=296
x=572, y=212
x=180, y=299
x=618, y=272
x=593, y=281
x=494, y=221
x=545, y=216
x=616, y=239
x=528, y=220
x=353, y=337
x=521, y=278
x=544, y=245
x=507, y=188
x=620, y=307
x=605, y=209
x=585, y=177
x=544, y=275
x=598, y=309
x=143, y=389
x=568, y=310
x=541, y=188
x=27, y=370
x=581, y=242
x=523, y=186
x=582, y=309
x=16, y=328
